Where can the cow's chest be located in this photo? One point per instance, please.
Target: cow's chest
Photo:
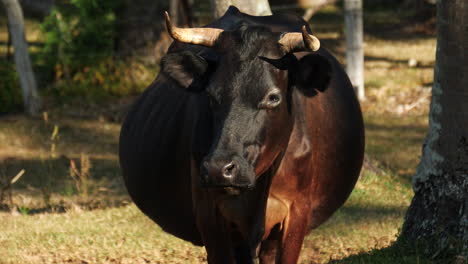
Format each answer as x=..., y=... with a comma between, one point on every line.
x=276, y=214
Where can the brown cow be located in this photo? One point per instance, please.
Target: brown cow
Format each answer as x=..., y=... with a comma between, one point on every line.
x=250, y=137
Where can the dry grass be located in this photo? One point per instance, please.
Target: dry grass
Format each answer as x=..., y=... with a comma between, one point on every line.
x=105, y=227
x=113, y=235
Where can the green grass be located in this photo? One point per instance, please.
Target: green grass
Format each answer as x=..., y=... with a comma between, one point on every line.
x=370, y=219
x=105, y=227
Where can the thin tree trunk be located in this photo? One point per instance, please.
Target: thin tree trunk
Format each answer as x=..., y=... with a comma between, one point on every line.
x=37, y=8
x=255, y=8
x=174, y=7
x=439, y=210
x=181, y=12
x=31, y=99
x=354, y=47
x=317, y=5
x=142, y=32
x=8, y=54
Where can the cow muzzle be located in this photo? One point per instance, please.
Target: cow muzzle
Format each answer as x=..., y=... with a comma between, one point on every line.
x=223, y=172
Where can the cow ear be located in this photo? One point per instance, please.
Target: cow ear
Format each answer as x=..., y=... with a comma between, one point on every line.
x=185, y=67
x=313, y=73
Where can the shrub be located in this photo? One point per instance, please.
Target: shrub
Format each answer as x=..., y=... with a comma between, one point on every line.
x=10, y=91
x=78, y=35
x=108, y=78
x=79, y=43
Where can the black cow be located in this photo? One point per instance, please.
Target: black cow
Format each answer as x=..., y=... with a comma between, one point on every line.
x=250, y=136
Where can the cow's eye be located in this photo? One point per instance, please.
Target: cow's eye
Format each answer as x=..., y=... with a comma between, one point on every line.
x=271, y=100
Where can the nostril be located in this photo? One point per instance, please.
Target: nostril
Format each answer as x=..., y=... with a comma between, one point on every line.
x=229, y=170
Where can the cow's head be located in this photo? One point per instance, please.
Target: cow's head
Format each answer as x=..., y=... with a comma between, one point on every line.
x=249, y=89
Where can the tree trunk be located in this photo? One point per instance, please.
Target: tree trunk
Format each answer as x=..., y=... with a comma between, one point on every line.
x=354, y=41
x=142, y=30
x=181, y=12
x=251, y=7
x=8, y=53
x=438, y=213
x=37, y=8
x=31, y=99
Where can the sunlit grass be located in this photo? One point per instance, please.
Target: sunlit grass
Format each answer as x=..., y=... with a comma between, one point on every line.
x=115, y=235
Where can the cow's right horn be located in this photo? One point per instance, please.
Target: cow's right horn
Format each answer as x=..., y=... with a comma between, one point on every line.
x=198, y=36
x=295, y=41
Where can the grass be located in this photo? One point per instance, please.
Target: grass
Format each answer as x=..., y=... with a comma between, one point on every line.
x=53, y=222
x=113, y=235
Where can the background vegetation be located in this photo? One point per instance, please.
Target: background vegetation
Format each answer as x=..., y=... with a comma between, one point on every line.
x=70, y=206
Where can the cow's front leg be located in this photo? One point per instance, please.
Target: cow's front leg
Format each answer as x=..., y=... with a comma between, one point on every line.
x=221, y=244
x=244, y=254
x=215, y=236
x=295, y=229
x=268, y=251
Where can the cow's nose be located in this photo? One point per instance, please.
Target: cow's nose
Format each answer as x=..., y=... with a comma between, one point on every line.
x=230, y=169
x=219, y=171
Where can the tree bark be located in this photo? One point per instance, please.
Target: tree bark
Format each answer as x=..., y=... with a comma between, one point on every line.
x=141, y=30
x=31, y=99
x=37, y=8
x=438, y=213
x=251, y=7
x=181, y=12
x=354, y=45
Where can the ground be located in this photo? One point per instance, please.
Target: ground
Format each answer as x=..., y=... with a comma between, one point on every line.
x=58, y=215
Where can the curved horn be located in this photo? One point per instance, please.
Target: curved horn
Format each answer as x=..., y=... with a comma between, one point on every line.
x=295, y=42
x=198, y=36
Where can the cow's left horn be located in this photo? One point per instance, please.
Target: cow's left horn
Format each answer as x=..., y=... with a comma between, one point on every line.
x=295, y=41
x=198, y=36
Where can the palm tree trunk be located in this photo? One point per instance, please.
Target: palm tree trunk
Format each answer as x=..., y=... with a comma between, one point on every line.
x=31, y=99
x=142, y=33
x=354, y=45
x=438, y=213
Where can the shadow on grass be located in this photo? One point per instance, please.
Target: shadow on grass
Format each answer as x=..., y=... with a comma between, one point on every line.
x=357, y=215
x=49, y=185
x=74, y=135
x=399, y=252
x=396, y=142
x=54, y=173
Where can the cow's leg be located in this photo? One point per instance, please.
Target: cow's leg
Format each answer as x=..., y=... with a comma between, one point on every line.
x=219, y=253
x=215, y=239
x=212, y=229
x=268, y=252
x=243, y=255
x=295, y=229
x=209, y=223
x=220, y=250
